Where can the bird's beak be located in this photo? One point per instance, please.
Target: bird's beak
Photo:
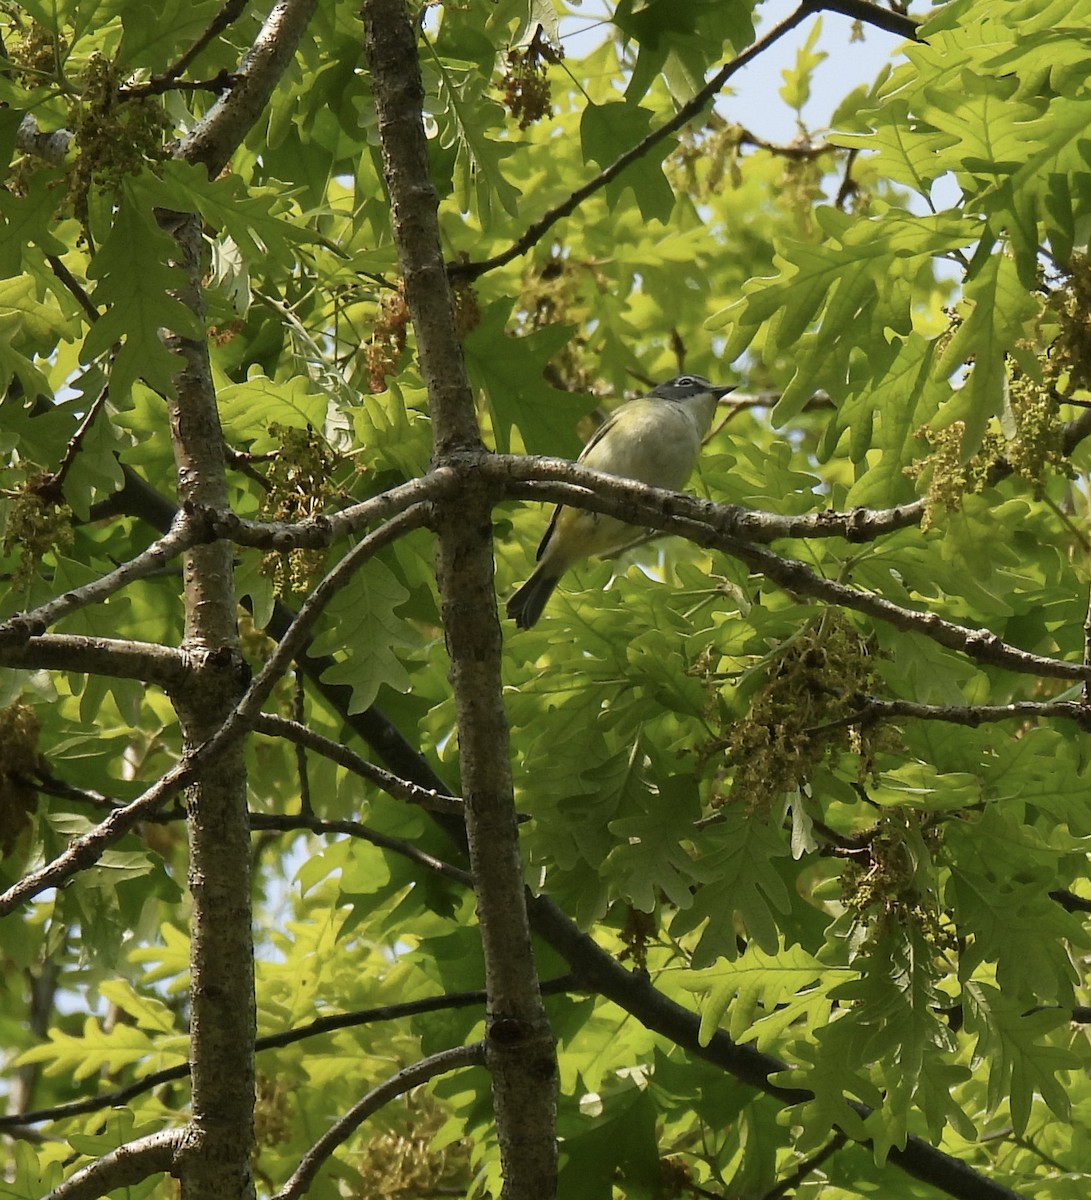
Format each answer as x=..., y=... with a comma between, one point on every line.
x=720, y=390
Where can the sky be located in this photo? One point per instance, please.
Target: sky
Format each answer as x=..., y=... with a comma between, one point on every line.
x=848, y=65
x=752, y=100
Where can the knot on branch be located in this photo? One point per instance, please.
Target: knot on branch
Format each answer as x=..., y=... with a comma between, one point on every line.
x=207, y=524
x=214, y=676
x=19, y=629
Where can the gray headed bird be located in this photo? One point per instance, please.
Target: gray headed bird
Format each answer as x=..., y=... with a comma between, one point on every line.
x=654, y=439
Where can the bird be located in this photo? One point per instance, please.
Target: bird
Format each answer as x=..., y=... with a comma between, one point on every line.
x=654, y=439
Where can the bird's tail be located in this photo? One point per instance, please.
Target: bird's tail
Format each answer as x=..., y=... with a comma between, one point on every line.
x=525, y=606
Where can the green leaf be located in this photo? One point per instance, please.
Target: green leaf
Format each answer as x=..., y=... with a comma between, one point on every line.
x=999, y=313
x=796, y=89
x=1020, y=1061
x=94, y=1050
x=616, y=1132
x=254, y=218
x=248, y=409
x=366, y=633
x=605, y=127
x=748, y=990
x=740, y=881
x=465, y=117
x=26, y=220
x=906, y=150
x=648, y=857
x=135, y=285
x=155, y=33
x=515, y=389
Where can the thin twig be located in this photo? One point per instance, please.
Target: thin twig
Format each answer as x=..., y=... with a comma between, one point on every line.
x=807, y=1167
x=74, y=286
x=857, y=9
x=161, y=84
x=872, y=709
x=537, y=229
x=228, y=14
x=299, y=716
x=52, y=486
x=291, y=823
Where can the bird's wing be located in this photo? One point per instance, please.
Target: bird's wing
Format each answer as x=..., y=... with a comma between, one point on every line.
x=590, y=444
x=599, y=434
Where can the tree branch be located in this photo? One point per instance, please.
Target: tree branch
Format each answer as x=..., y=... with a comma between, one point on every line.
x=49, y=147
x=538, y=229
x=149, y=662
x=714, y=527
x=126, y=1166
x=873, y=709
x=314, y=533
x=790, y=1182
x=397, y=1085
x=85, y=850
x=636, y=995
x=228, y=14
x=219, y=133
x=272, y=1041
x=23, y=626
x=399, y=789
x=561, y=481
x=870, y=14
x=284, y=823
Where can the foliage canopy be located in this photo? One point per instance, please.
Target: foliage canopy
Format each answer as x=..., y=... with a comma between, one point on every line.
x=817, y=773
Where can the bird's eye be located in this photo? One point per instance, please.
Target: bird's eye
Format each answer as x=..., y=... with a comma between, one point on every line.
x=685, y=381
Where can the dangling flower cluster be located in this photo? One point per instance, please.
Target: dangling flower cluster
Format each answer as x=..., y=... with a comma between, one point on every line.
x=526, y=88
x=299, y=486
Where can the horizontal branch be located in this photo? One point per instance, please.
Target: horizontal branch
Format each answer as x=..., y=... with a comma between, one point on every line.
x=724, y=526
x=874, y=709
x=284, y=823
x=871, y=14
x=149, y=662
x=981, y=645
x=538, y=477
x=397, y=1085
x=316, y=533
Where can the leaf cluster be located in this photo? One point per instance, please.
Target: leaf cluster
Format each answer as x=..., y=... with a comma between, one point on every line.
x=872, y=903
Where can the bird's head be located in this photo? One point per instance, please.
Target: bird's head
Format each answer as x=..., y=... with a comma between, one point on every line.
x=687, y=387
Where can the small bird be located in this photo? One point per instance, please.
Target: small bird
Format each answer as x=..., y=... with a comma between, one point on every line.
x=654, y=439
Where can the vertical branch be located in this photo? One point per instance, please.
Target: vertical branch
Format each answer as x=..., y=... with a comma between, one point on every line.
x=1087, y=650
x=519, y=1045
x=214, y=1157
